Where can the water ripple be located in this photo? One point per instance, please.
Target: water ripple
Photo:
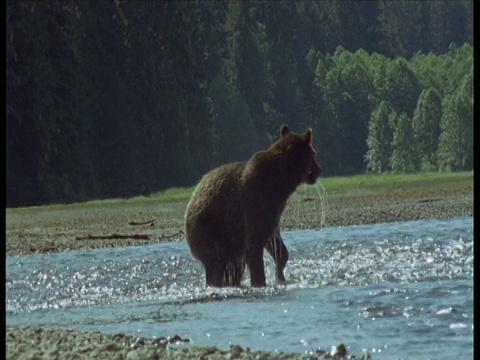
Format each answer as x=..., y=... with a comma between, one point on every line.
x=374, y=285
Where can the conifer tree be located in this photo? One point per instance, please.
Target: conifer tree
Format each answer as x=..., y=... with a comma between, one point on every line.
x=404, y=155
x=426, y=127
x=380, y=137
x=455, y=149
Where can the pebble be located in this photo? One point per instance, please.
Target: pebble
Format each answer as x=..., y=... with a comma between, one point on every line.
x=38, y=343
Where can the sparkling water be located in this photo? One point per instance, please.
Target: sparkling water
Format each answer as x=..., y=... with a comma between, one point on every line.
x=396, y=290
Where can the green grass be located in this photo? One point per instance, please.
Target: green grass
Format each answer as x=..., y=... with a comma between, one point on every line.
x=173, y=194
x=355, y=185
x=421, y=183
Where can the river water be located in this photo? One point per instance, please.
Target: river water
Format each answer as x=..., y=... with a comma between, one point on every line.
x=396, y=290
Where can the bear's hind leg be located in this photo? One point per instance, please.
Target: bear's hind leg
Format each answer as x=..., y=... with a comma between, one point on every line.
x=215, y=273
x=233, y=275
x=277, y=249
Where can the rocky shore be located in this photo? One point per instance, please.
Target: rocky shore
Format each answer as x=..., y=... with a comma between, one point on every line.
x=29, y=343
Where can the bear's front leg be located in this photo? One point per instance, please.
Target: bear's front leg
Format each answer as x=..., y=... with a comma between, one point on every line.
x=278, y=251
x=255, y=264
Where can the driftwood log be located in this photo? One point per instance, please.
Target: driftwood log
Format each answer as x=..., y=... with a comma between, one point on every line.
x=137, y=223
x=113, y=237
x=116, y=236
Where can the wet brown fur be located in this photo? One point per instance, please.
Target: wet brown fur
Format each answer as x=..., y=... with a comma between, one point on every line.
x=234, y=212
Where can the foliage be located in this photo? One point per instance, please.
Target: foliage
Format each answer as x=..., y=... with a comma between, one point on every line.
x=233, y=132
x=401, y=87
x=405, y=153
x=455, y=150
x=426, y=127
x=120, y=98
x=346, y=90
x=380, y=138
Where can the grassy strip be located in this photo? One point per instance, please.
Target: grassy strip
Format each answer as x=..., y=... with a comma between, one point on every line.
x=364, y=184
x=422, y=184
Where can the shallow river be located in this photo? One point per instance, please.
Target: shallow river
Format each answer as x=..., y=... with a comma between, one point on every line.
x=395, y=290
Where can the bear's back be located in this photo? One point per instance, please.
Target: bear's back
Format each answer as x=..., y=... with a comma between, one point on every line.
x=215, y=212
x=217, y=196
x=217, y=188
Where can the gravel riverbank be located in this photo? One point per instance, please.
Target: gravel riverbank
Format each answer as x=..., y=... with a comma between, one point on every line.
x=29, y=343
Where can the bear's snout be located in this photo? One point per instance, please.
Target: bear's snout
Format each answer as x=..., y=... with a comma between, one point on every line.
x=313, y=173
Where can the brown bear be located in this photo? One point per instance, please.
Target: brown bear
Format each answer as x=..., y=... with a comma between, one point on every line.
x=234, y=212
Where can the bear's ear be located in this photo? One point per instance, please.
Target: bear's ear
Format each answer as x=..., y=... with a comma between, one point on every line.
x=284, y=130
x=307, y=135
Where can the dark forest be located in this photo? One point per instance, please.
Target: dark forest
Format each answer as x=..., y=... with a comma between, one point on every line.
x=121, y=98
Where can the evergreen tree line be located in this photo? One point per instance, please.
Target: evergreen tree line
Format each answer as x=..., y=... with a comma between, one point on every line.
x=120, y=98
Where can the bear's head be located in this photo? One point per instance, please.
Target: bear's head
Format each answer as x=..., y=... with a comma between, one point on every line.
x=298, y=149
